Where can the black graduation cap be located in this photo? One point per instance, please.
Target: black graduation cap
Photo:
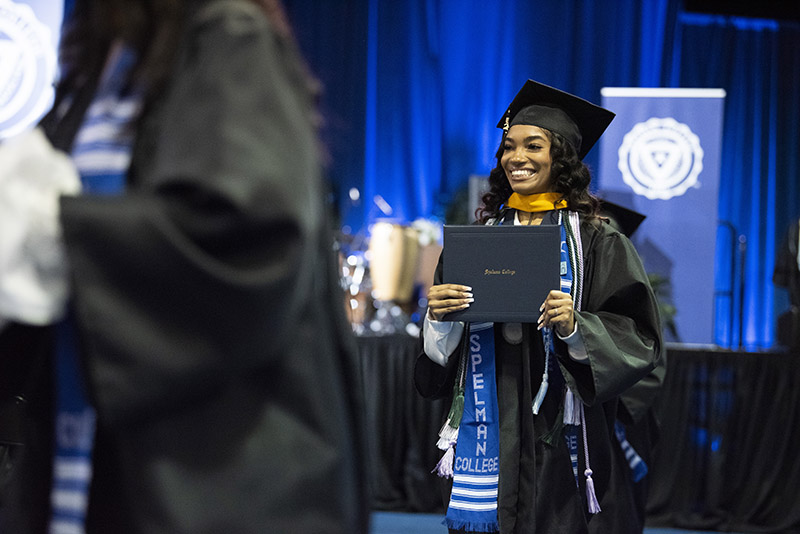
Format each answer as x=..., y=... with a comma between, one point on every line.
x=623, y=219
x=580, y=122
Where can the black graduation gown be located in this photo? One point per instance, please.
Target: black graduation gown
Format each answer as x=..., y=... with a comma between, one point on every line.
x=787, y=271
x=211, y=326
x=620, y=328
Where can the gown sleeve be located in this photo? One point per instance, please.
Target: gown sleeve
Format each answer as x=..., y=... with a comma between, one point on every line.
x=619, y=321
x=197, y=273
x=786, y=273
x=431, y=379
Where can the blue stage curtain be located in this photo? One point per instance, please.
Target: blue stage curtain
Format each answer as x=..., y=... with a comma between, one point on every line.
x=414, y=89
x=757, y=62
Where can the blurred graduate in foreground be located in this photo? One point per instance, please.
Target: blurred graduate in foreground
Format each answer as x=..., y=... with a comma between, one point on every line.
x=202, y=324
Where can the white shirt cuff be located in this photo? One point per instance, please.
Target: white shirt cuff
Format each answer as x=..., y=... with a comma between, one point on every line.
x=577, y=350
x=441, y=338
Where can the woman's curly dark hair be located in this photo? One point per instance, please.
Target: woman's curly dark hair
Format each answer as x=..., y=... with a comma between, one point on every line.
x=570, y=177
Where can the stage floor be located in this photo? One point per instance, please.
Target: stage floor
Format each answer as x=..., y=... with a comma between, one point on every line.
x=403, y=523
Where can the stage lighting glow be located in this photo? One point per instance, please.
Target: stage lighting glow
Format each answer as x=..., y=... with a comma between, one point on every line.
x=27, y=67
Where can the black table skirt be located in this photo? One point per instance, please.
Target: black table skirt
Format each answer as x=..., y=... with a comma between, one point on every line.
x=726, y=460
x=402, y=427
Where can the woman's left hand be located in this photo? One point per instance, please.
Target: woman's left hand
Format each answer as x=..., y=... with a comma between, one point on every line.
x=557, y=312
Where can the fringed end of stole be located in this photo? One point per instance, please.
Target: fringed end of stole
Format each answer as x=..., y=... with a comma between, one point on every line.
x=472, y=526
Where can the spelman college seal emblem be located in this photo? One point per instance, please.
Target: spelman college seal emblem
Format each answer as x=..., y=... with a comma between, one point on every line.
x=660, y=158
x=27, y=68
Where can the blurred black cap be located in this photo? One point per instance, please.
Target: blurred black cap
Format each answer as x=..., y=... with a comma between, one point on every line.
x=623, y=219
x=580, y=122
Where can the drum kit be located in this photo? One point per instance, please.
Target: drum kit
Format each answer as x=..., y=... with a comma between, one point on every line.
x=386, y=272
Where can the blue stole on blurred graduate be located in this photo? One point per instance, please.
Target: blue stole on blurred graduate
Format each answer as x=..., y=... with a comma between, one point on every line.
x=476, y=467
x=101, y=153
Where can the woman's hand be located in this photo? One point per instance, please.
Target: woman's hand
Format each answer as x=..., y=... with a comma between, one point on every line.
x=557, y=312
x=446, y=298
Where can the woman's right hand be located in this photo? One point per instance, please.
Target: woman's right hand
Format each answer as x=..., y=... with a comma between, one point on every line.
x=446, y=298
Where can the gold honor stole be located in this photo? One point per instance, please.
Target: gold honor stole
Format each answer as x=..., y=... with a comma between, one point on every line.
x=536, y=202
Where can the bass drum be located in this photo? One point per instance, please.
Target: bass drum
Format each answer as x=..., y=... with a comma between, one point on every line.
x=393, y=257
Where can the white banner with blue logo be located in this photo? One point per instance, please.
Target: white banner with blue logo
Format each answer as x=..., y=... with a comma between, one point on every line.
x=29, y=35
x=661, y=158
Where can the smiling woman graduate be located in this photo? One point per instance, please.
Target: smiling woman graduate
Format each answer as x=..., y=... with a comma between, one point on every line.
x=550, y=389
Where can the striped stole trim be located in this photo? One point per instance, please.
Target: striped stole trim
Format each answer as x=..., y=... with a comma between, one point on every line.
x=470, y=492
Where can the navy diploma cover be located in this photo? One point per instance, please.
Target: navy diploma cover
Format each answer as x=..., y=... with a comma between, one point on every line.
x=510, y=269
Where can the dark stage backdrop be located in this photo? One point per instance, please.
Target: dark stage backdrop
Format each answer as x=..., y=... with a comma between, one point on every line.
x=414, y=88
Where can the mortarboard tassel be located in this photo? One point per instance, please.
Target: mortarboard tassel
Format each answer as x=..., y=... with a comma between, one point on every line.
x=591, y=498
x=572, y=408
x=445, y=466
x=447, y=435
x=537, y=401
x=449, y=430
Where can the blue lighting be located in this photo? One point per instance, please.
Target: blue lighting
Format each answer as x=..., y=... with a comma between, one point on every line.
x=700, y=437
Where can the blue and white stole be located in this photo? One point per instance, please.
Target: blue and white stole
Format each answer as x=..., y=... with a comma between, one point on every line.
x=568, y=257
x=476, y=467
x=635, y=462
x=102, y=154
x=574, y=416
x=571, y=271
